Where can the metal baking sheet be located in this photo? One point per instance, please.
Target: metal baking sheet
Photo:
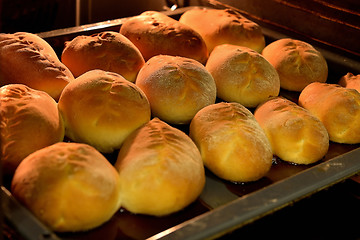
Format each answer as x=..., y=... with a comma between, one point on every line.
x=223, y=206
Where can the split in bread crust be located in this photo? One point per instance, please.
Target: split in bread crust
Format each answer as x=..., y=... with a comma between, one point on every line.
x=154, y=33
x=108, y=51
x=338, y=108
x=161, y=170
x=102, y=108
x=28, y=59
x=29, y=121
x=220, y=26
x=177, y=87
x=297, y=62
x=242, y=75
x=231, y=142
x=295, y=134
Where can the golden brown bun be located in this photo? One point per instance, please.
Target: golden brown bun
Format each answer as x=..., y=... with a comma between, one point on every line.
x=242, y=75
x=102, y=108
x=297, y=62
x=231, y=142
x=295, y=134
x=28, y=59
x=154, y=33
x=68, y=186
x=176, y=87
x=29, y=121
x=161, y=170
x=108, y=51
x=219, y=26
x=338, y=108
x=350, y=81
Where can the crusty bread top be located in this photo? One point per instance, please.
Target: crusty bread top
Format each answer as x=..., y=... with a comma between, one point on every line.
x=28, y=59
x=108, y=51
x=297, y=62
x=177, y=87
x=219, y=26
x=337, y=107
x=242, y=75
x=154, y=33
x=29, y=120
x=68, y=186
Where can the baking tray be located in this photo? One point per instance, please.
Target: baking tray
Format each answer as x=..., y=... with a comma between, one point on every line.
x=223, y=206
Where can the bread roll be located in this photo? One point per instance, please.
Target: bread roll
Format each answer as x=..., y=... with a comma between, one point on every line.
x=242, y=75
x=298, y=63
x=350, y=81
x=108, y=51
x=102, y=108
x=154, y=33
x=161, y=170
x=219, y=26
x=28, y=59
x=231, y=142
x=176, y=87
x=338, y=108
x=295, y=134
x=29, y=121
x=68, y=186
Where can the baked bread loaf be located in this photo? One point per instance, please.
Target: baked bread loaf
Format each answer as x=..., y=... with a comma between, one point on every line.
x=232, y=144
x=350, y=81
x=102, y=108
x=29, y=121
x=295, y=134
x=219, y=26
x=242, y=75
x=160, y=169
x=298, y=63
x=338, y=108
x=154, y=33
x=28, y=59
x=108, y=51
x=68, y=186
x=176, y=87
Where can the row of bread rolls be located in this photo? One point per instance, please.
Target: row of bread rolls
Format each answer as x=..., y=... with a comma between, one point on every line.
x=111, y=109
x=67, y=186
x=153, y=33
x=102, y=109
x=72, y=187
x=229, y=139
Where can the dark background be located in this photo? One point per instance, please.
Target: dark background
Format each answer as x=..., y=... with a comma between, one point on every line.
x=332, y=22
